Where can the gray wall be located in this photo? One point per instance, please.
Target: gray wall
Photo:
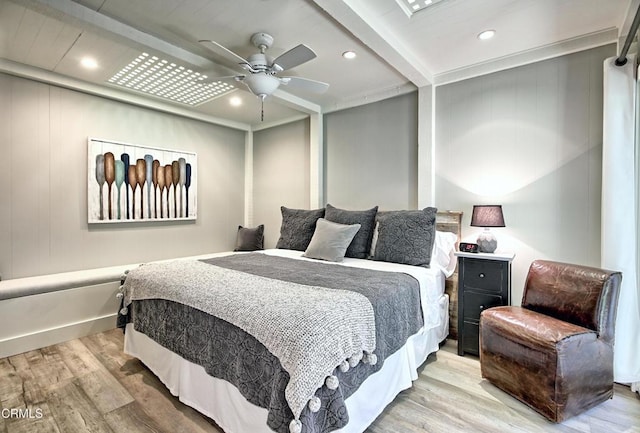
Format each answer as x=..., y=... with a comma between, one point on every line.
x=371, y=155
x=43, y=175
x=280, y=174
x=529, y=138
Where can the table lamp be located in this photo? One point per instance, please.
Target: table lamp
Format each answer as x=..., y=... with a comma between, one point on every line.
x=487, y=216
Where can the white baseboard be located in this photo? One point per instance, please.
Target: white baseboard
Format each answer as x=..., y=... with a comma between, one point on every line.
x=46, y=337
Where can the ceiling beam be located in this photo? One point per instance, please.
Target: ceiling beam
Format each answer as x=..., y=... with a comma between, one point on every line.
x=37, y=74
x=630, y=13
x=357, y=18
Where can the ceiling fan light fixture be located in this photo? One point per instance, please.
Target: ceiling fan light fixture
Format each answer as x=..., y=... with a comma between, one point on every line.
x=261, y=84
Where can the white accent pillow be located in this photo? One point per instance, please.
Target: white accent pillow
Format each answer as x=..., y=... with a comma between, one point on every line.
x=443, y=253
x=330, y=240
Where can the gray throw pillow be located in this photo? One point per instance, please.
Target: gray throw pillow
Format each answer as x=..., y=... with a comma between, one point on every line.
x=330, y=240
x=297, y=227
x=406, y=236
x=361, y=243
x=250, y=239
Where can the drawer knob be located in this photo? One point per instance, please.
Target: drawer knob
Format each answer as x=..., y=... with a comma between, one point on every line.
x=481, y=275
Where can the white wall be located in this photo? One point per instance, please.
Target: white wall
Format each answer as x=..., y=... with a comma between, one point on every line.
x=43, y=175
x=371, y=155
x=280, y=174
x=529, y=138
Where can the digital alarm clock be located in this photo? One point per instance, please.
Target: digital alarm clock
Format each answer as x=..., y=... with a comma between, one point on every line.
x=467, y=247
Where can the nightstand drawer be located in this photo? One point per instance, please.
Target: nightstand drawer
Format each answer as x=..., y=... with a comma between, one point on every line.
x=475, y=303
x=484, y=275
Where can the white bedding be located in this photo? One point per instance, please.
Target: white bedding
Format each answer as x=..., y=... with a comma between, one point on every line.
x=431, y=279
x=223, y=402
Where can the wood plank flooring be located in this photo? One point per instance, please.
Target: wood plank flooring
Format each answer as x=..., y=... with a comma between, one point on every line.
x=90, y=385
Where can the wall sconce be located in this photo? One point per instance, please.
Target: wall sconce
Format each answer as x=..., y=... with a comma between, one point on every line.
x=487, y=216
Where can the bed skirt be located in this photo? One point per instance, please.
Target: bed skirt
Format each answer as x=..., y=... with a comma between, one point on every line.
x=221, y=401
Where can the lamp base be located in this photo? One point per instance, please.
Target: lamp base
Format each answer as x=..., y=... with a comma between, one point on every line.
x=487, y=242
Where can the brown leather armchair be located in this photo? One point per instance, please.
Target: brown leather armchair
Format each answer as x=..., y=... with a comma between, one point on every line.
x=555, y=353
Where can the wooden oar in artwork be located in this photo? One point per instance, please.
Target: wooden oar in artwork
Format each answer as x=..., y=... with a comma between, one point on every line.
x=161, y=186
x=141, y=175
x=154, y=181
x=110, y=176
x=119, y=181
x=100, y=179
x=148, y=161
x=125, y=160
x=168, y=179
x=187, y=184
x=183, y=176
x=133, y=182
x=175, y=176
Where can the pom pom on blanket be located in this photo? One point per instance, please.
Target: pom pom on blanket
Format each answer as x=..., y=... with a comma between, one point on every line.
x=295, y=426
x=355, y=359
x=314, y=404
x=370, y=358
x=332, y=382
x=344, y=366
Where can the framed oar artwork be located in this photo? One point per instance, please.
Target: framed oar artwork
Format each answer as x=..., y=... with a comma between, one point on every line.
x=134, y=183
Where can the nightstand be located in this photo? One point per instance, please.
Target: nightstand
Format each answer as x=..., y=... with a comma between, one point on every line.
x=484, y=281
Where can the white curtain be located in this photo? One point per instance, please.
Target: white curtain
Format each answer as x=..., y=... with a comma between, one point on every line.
x=620, y=210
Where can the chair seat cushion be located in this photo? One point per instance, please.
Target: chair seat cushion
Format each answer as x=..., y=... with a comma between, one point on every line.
x=532, y=329
x=557, y=368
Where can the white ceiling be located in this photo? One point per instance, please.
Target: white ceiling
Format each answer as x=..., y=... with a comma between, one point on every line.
x=46, y=39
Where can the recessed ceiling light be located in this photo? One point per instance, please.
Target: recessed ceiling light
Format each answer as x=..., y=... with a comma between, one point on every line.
x=236, y=101
x=89, y=63
x=349, y=55
x=487, y=34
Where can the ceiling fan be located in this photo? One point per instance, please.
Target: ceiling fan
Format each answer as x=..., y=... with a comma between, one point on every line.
x=262, y=70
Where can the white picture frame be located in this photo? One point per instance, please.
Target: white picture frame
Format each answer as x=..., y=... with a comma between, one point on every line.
x=134, y=183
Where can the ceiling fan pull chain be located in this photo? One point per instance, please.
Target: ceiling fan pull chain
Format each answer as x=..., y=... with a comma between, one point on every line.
x=262, y=109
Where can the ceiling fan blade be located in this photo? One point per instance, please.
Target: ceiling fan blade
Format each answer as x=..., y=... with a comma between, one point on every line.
x=231, y=79
x=305, y=84
x=294, y=57
x=223, y=51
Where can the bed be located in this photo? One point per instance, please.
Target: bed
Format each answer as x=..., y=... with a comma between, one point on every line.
x=290, y=343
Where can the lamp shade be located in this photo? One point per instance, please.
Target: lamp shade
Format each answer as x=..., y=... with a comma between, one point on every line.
x=487, y=216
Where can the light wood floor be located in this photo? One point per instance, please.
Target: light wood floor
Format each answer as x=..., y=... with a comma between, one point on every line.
x=89, y=385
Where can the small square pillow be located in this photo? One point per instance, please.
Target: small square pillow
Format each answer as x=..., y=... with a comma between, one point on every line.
x=297, y=227
x=330, y=240
x=250, y=239
x=406, y=236
x=361, y=243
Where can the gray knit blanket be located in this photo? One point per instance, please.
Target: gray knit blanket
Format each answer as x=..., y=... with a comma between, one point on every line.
x=311, y=330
